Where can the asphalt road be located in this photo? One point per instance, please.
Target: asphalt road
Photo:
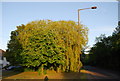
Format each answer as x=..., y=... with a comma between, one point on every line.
x=97, y=73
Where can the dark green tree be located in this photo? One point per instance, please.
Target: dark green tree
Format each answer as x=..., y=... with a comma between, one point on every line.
x=105, y=53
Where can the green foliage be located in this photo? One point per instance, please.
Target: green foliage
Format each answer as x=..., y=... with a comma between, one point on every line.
x=28, y=70
x=47, y=43
x=105, y=53
x=14, y=49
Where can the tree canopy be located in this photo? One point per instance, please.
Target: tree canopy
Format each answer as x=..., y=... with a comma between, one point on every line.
x=105, y=53
x=47, y=44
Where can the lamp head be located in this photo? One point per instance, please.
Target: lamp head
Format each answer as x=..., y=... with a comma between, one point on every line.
x=93, y=7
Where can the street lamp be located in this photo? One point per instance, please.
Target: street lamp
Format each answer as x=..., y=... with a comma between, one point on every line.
x=84, y=9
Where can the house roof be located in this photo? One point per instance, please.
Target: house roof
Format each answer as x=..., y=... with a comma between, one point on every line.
x=1, y=52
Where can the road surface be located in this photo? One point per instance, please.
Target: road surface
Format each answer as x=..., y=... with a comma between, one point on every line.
x=97, y=73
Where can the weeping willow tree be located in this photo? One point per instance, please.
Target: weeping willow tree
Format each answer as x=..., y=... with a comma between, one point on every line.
x=47, y=44
x=74, y=38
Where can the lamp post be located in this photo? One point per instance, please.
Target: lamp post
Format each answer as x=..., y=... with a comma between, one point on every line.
x=84, y=9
